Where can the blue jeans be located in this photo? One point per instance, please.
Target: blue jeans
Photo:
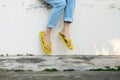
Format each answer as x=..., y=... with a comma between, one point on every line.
x=58, y=7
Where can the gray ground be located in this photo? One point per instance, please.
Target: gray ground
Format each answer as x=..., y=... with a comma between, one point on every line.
x=38, y=63
x=77, y=75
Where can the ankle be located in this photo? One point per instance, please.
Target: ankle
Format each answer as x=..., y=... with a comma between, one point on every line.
x=65, y=32
x=48, y=31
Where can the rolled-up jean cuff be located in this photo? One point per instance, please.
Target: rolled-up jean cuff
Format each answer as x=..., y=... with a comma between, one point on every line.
x=68, y=20
x=50, y=26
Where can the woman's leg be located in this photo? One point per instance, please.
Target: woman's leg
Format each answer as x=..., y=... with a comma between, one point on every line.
x=68, y=17
x=58, y=8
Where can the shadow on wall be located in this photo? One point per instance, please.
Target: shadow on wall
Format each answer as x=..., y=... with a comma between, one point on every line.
x=46, y=5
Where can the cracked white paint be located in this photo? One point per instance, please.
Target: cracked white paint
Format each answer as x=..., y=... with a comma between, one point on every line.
x=61, y=63
x=95, y=30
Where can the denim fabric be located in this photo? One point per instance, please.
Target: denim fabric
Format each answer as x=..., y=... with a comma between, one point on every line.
x=59, y=6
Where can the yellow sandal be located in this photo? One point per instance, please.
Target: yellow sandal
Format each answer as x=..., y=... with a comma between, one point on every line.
x=44, y=42
x=65, y=40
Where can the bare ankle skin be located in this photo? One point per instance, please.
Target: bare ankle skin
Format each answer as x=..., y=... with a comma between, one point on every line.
x=47, y=36
x=66, y=28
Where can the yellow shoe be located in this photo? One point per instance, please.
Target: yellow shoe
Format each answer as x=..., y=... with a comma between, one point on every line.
x=65, y=40
x=44, y=42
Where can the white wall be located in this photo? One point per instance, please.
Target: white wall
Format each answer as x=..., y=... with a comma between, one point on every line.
x=95, y=30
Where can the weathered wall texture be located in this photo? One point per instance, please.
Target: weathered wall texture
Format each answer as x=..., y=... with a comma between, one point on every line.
x=95, y=30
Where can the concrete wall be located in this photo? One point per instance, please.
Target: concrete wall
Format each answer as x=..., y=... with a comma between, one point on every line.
x=95, y=30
